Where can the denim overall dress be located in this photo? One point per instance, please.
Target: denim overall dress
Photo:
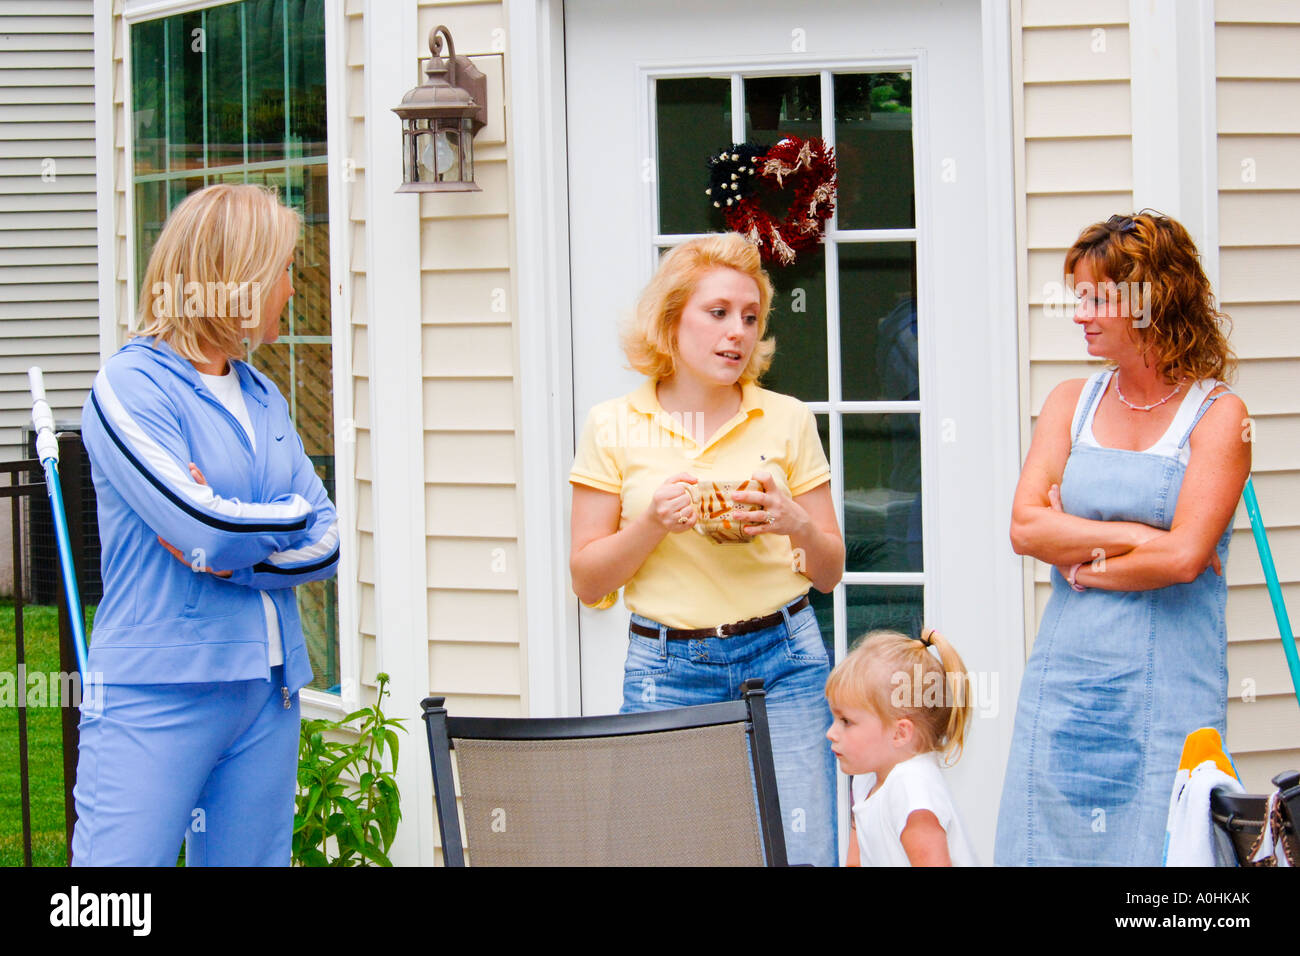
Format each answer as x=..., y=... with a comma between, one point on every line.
x=1116, y=679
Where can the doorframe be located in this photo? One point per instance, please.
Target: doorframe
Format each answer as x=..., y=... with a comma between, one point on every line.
x=539, y=176
x=539, y=184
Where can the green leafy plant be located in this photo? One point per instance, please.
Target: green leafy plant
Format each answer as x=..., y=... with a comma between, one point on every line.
x=361, y=817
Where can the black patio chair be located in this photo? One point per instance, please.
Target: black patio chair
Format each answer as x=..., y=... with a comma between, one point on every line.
x=1239, y=818
x=666, y=788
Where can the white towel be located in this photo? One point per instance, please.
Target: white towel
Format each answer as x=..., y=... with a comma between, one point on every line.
x=1189, y=834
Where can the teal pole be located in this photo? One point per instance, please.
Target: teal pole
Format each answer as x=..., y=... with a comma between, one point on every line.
x=1274, y=589
x=47, y=451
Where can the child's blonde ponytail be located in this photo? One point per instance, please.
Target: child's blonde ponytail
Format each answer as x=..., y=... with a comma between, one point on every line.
x=957, y=682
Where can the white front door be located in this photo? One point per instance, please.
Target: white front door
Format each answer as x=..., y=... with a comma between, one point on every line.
x=884, y=330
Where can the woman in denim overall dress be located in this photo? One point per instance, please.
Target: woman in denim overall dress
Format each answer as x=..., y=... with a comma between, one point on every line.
x=708, y=614
x=1128, y=491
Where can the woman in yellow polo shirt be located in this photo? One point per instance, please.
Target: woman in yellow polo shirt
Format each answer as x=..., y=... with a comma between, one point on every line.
x=707, y=615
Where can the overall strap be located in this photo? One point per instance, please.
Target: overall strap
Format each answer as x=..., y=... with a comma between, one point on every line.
x=1205, y=407
x=1092, y=390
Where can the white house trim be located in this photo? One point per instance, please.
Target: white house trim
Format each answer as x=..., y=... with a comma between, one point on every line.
x=397, y=436
x=1007, y=602
x=1153, y=54
x=318, y=703
x=540, y=218
x=1198, y=76
x=1175, y=158
x=106, y=223
x=152, y=9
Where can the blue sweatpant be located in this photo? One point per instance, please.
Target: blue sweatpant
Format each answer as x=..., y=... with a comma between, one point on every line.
x=213, y=764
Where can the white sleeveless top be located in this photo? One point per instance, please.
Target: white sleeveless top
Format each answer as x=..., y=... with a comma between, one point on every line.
x=1168, y=443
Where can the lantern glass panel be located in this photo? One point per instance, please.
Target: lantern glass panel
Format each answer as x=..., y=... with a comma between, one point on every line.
x=422, y=141
x=467, y=137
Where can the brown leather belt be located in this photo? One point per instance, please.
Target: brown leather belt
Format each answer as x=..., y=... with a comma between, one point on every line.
x=722, y=630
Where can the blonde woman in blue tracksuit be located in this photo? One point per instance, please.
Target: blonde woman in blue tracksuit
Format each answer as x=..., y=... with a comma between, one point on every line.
x=209, y=514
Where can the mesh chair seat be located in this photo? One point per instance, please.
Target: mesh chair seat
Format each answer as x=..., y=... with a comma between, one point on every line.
x=689, y=786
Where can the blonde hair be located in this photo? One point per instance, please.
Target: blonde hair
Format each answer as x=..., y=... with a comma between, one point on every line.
x=896, y=677
x=650, y=339
x=213, y=267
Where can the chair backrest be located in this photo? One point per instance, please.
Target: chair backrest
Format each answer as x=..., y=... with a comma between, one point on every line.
x=678, y=787
x=1240, y=818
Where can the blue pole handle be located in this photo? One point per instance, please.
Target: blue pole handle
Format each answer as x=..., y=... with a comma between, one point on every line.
x=1274, y=588
x=71, y=592
x=47, y=452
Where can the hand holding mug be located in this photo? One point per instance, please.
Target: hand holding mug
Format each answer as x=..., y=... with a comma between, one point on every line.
x=672, y=507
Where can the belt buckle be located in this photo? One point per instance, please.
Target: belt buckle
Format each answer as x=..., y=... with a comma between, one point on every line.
x=718, y=631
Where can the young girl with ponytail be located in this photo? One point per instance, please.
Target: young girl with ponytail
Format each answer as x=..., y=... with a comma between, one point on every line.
x=896, y=707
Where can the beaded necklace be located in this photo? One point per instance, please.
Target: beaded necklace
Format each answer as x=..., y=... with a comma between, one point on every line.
x=1144, y=408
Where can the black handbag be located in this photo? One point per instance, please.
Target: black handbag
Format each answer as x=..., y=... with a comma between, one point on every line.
x=1249, y=821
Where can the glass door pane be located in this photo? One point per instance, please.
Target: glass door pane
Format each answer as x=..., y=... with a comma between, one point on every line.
x=693, y=122
x=882, y=492
x=873, y=146
x=798, y=321
x=878, y=359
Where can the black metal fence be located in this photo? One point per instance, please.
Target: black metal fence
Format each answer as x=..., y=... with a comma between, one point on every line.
x=26, y=480
x=45, y=578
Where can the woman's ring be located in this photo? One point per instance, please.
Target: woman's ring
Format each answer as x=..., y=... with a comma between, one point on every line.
x=684, y=519
x=771, y=519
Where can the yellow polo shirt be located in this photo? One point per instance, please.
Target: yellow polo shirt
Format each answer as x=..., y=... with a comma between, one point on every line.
x=630, y=446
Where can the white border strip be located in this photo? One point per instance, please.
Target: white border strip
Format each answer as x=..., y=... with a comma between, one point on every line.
x=152, y=9
x=339, y=148
x=105, y=186
x=1153, y=67
x=540, y=216
x=397, y=437
x=1007, y=603
x=1175, y=133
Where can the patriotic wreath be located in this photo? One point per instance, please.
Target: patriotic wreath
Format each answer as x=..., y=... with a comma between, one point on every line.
x=741, y=174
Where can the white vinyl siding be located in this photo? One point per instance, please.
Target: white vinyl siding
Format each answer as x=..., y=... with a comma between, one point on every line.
x=471, y=407
x=48, y=294
x=1257, y=71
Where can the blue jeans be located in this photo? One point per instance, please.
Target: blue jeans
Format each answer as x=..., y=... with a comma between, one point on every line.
x=791, y=659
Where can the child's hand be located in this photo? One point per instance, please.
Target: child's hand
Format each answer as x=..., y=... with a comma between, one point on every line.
x=924, y=841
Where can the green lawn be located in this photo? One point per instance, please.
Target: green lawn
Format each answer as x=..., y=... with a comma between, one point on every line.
x=44, y=742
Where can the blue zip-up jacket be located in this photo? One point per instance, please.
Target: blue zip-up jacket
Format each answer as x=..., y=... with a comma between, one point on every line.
x=264, y=516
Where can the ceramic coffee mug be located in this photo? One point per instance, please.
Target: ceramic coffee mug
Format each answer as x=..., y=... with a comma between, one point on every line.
x=714, y=504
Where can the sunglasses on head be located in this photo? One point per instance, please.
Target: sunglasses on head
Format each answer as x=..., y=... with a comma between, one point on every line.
x=1121, y=224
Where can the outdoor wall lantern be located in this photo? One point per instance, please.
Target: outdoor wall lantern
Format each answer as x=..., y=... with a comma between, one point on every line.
x=439, y=120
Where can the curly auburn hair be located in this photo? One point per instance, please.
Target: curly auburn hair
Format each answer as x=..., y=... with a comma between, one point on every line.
x=1186, y=335
x=650, y=338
